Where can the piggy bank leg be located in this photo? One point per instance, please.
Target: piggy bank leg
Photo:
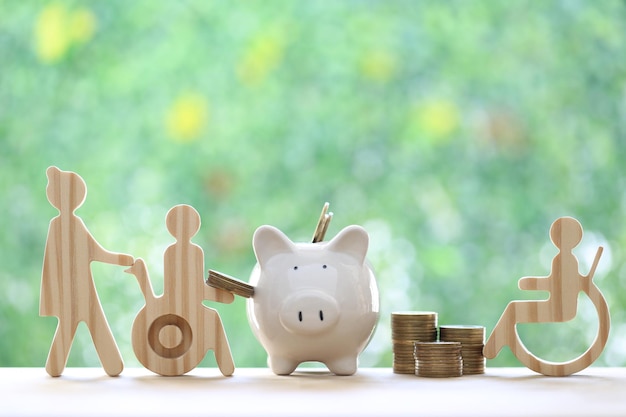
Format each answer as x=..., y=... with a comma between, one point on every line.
x=343, y=366
x=281, y=366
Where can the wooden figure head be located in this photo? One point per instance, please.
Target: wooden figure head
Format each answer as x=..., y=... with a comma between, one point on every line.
x=66, y=190
x=566, y=233
x=183, y=222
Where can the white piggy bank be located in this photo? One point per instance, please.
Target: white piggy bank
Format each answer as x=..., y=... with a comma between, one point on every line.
x=313, y=301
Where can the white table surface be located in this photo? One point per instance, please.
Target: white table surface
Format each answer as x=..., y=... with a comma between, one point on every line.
x=311, y=392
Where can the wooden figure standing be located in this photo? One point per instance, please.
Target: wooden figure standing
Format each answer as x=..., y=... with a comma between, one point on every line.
x=173, y=332
x=563, y=284
x=67, y=288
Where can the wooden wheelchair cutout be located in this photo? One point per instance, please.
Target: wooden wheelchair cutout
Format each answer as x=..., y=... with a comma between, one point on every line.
x=563, y=284
x=173, y=332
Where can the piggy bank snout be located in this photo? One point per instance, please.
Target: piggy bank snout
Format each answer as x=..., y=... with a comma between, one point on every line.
x=309, y=312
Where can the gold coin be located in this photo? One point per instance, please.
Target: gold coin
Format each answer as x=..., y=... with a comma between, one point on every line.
x=322, y=224
x=405, y=317
x=462, y=333
x=438, y=346
x=441, y=373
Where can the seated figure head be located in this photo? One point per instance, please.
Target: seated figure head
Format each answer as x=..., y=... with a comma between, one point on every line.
x=566, y=233
x=183, y=222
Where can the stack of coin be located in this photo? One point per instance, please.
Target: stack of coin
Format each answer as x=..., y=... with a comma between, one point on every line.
x=408, y=327
x=228, y=283
x=472, y=339
x=438, y=359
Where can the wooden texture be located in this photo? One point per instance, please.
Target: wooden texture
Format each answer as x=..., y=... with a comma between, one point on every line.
x=173, y=332
x=67, y=288
x=563, y=285
x=375, y=392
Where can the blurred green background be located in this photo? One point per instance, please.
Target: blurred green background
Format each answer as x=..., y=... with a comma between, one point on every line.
x=454, y=132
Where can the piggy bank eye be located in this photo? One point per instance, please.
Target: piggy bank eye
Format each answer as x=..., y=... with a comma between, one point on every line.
x=295, y=268
x=324, y=266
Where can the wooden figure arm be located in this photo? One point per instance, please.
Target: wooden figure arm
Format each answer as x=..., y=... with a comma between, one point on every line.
x=534, y=283
x=217, y=294
x=98, y=253
x=121, y=259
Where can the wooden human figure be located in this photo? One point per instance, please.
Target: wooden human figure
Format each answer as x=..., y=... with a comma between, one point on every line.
x=563, y=285
x=67, y=288
x=173, y=332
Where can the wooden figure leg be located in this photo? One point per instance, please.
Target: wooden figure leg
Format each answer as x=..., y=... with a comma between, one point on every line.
x=215, y=338
x=104, y=342
x=505, y=333
x=60, y=348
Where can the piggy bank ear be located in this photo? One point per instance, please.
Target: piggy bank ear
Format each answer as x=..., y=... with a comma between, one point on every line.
x=352, y=240
x=269, y=241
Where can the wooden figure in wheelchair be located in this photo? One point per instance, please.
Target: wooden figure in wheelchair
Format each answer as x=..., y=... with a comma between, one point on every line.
x=564, y=285
x=173, y=332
